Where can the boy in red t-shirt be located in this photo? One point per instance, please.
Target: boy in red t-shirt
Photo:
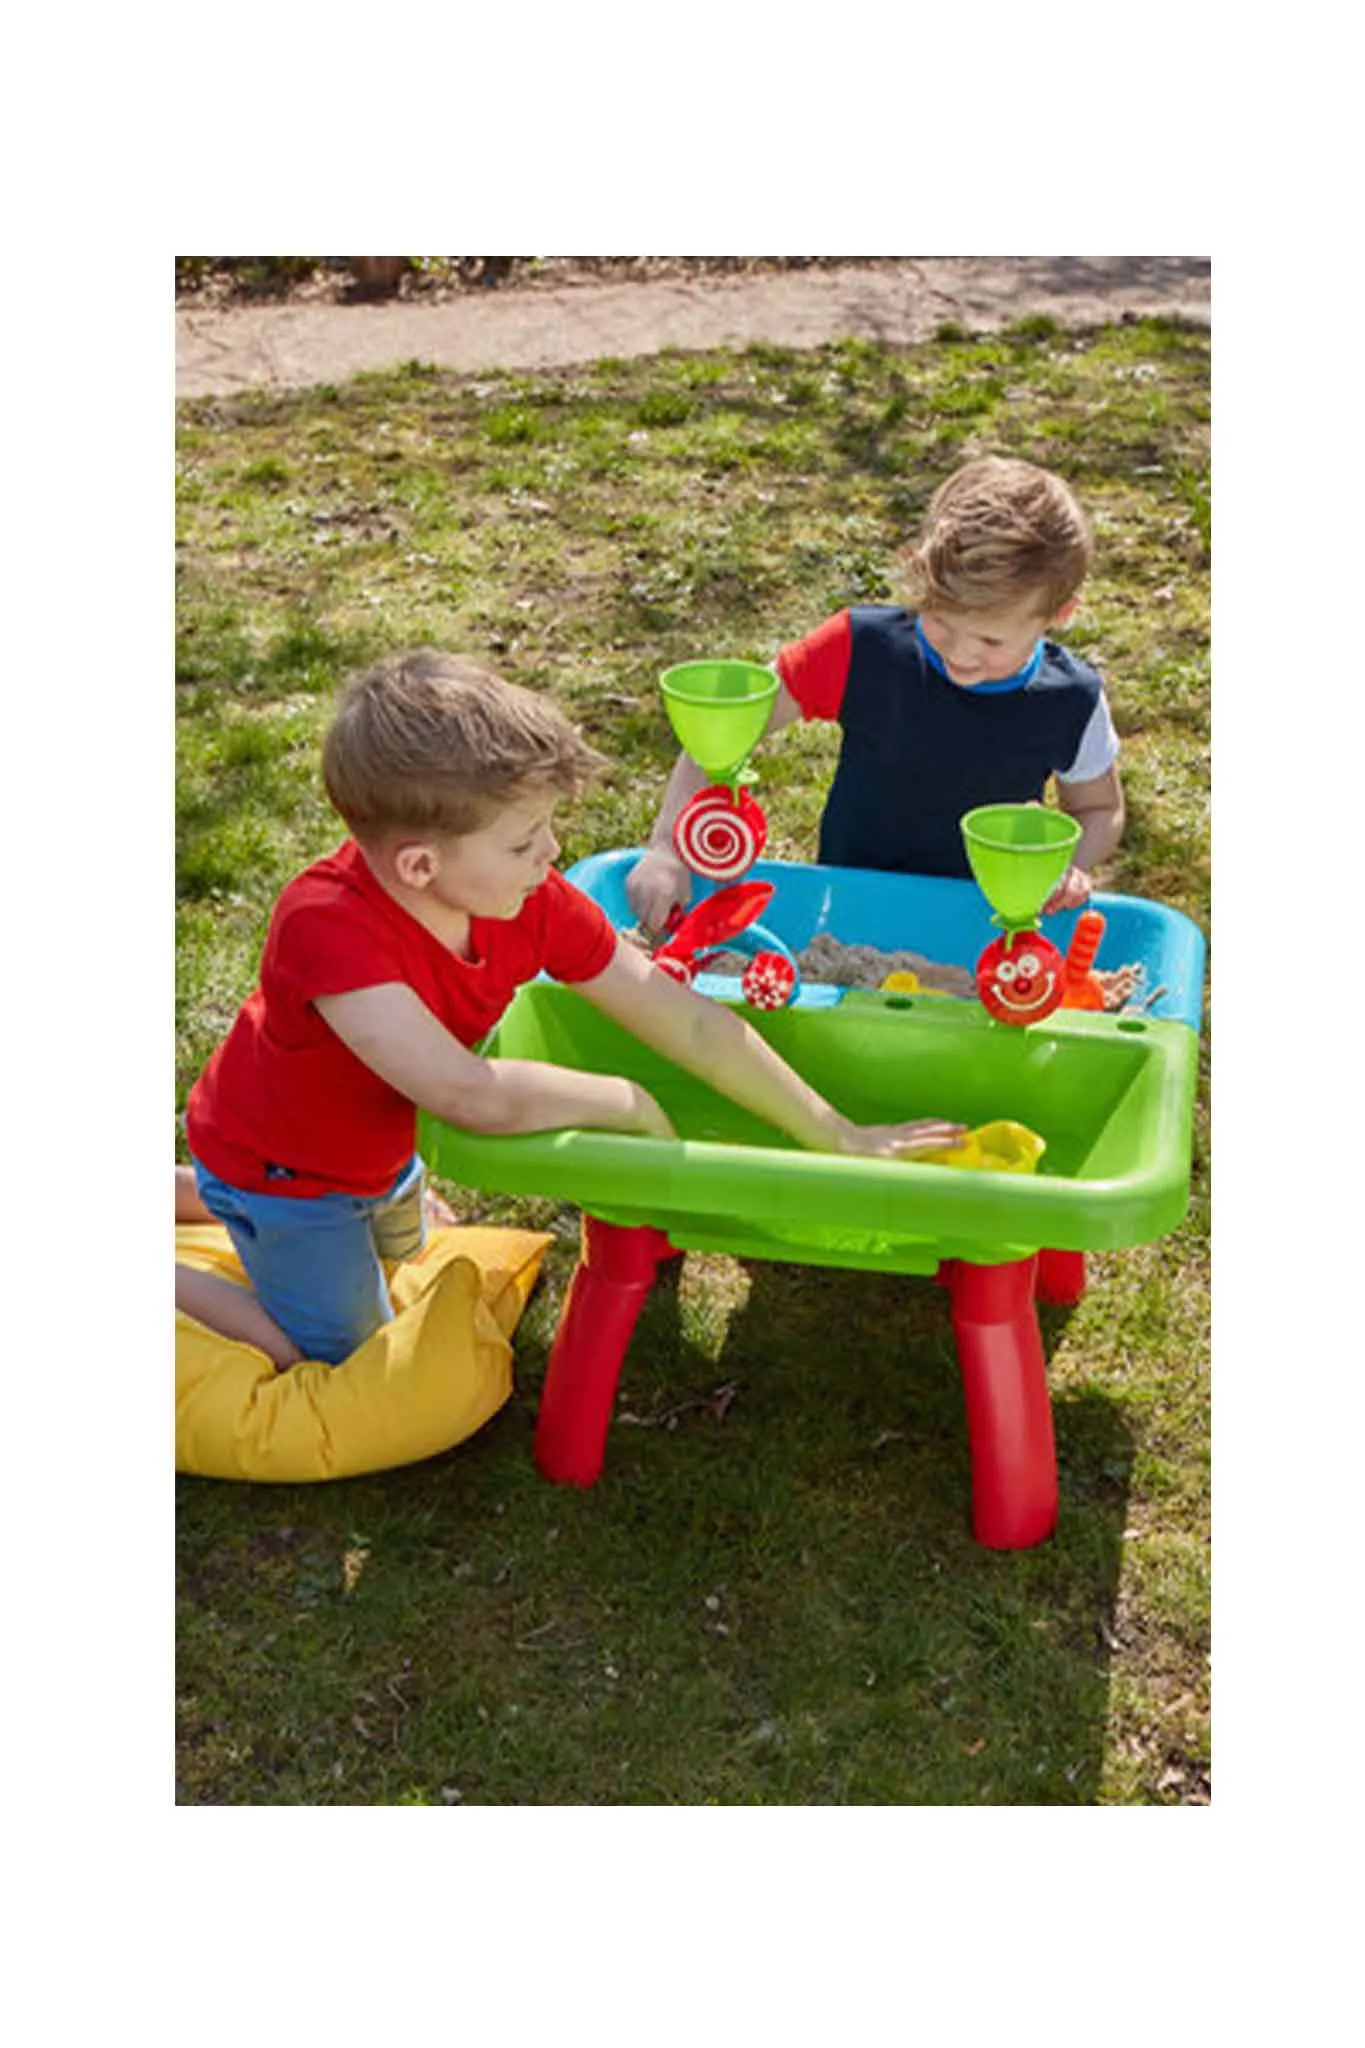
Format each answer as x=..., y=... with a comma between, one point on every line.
x=385, y=965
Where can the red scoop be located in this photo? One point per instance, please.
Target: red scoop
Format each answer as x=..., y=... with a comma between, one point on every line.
x=711, y=923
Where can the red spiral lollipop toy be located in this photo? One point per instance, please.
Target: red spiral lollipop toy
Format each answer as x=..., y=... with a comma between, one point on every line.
x=720, y=835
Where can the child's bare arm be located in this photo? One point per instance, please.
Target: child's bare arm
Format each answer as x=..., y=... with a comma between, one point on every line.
x=714, y=1042
x=391, y=1029
x=1098, y=808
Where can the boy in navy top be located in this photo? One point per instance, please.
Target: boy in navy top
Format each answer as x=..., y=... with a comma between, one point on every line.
x=958, y=700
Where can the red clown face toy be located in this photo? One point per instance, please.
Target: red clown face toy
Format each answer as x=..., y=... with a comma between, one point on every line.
x=1021, y=978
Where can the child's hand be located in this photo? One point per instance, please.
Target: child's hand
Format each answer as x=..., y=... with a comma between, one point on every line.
x=657, y=884
x=1070, y=893
x=900, y=1141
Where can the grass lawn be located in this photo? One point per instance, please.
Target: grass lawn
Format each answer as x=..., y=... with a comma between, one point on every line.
x=773, y=1595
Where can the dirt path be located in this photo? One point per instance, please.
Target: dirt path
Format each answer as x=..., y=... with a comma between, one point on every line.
x=897, y=302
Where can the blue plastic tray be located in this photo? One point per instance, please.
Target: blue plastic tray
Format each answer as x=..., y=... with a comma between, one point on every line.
x=947, y=921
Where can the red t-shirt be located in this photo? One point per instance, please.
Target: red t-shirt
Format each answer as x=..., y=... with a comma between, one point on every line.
x=815, y=669
x=283, y=1090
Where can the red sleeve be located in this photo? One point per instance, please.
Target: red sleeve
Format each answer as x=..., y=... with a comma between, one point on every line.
x=815, y=669
x=320, y=949
x=578, y=936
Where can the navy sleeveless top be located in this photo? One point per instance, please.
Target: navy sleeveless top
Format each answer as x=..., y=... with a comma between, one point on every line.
x=918, y=750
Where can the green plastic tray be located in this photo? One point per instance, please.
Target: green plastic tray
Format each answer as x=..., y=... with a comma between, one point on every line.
x=1112, y=1097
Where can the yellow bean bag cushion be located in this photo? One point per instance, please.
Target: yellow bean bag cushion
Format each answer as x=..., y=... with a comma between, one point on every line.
x=423, y=1382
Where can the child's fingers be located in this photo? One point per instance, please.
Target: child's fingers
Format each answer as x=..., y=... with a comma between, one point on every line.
x=652, y=899
x=1070, y=893
x=642, y=886
x=928, y=1136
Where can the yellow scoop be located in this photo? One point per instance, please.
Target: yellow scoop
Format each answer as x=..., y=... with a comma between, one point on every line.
x=1001, y=1147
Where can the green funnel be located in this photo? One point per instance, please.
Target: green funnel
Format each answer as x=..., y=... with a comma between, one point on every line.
x=719, y=710
x=1019, y=853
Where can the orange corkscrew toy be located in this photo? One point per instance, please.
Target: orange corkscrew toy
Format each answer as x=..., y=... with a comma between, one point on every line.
x=1083, y=988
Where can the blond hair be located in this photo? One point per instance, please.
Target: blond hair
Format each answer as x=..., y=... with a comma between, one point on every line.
x=1000, y=532
x=430, y=742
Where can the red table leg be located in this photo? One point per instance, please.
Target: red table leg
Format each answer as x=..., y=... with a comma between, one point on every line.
x=614, y=1274
x=1061, y=1277
x=1009, y=1412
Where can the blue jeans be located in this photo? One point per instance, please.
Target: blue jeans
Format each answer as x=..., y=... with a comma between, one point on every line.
x=315, y=1260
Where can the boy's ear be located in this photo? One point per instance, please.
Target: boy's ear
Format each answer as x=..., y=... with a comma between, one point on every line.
x=1067, y=612
x=415, y=863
